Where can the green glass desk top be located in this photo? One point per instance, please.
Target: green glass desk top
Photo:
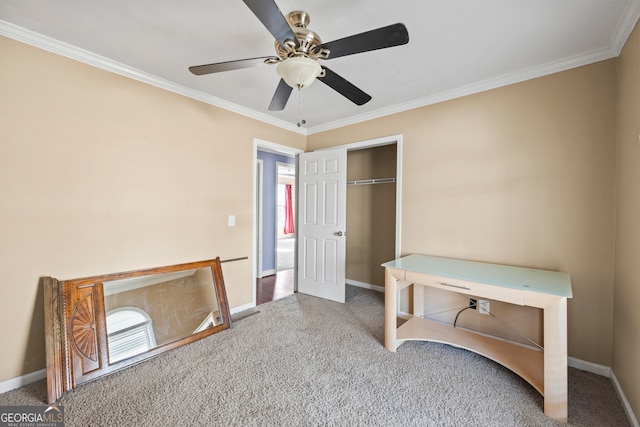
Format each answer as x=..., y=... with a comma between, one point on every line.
x=529, y=279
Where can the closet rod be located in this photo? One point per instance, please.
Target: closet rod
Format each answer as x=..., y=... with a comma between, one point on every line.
x=371, y=181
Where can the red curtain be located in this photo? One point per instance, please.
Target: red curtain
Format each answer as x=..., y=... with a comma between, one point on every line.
x=288, y=210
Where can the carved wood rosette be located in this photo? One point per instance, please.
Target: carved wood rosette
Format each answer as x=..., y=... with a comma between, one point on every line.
x=83, y=330
x=75, y=337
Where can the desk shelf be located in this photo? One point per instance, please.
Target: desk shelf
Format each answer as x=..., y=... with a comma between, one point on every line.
x=526, y=362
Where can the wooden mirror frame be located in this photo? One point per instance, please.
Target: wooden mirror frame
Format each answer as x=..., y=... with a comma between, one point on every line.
x=76, y=329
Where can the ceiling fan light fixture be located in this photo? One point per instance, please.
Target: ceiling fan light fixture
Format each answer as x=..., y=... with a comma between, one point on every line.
x=299, y=71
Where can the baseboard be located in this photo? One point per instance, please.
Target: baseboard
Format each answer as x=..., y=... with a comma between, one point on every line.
x=244, y=307
x=625, y=403
x=22, y=380
x=594, y=368
x=364, y=285
x=606, y=371
x=266, y=273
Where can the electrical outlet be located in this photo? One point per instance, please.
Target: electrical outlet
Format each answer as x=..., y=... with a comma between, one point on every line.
x=484, y=306
x=473, y=304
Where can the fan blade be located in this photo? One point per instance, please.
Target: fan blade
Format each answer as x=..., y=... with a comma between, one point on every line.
x=199, y=70
x=281, y=96
x=381, y=38
x=344, y=88
x=269, y=14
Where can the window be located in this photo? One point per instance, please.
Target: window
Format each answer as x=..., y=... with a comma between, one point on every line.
x=130, y=332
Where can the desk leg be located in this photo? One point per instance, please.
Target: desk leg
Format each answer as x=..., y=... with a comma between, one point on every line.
x=390, y=315
x=555, y=360
x=418, y=300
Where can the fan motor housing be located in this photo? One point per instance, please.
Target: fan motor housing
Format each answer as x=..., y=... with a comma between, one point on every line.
x=307, y=39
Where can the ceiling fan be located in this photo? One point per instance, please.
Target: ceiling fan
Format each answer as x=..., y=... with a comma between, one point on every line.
x=298, y=50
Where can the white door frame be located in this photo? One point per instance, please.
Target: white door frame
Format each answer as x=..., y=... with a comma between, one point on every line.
x=259, y=184
x=275, y=148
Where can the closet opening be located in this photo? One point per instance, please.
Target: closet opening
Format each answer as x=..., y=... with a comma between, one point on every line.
x=371, y=237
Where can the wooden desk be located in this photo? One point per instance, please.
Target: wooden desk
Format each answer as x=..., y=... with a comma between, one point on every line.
x=545, y=370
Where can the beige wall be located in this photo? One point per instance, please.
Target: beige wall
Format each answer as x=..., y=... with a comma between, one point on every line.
x=521, y=175
x=100, y=173
x=626, y=321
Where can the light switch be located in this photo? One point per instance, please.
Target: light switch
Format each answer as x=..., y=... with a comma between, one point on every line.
x=232, y=221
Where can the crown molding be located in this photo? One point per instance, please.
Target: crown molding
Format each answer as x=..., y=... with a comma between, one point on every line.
x=64, y=49
x=505, y=80
x=625, y=27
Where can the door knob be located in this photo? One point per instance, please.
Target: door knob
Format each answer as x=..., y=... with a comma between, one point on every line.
x=340, y=233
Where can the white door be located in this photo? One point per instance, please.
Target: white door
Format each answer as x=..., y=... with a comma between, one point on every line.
x=322, y=198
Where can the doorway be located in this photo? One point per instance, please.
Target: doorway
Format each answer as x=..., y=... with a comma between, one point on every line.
x=371, y=214
x=274, y=228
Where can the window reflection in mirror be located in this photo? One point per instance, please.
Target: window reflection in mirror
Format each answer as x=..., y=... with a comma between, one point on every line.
x=130, y=332
x=149, y=311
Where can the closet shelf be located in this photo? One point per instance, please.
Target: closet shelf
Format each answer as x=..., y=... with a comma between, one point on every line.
x=371, y=181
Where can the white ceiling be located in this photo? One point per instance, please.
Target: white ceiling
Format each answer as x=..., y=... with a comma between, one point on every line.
x=456, y=47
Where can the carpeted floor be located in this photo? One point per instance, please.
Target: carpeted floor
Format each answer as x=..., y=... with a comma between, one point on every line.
x=303, y=361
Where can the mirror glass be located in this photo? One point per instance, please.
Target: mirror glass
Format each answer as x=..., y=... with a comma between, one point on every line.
x=145, y=312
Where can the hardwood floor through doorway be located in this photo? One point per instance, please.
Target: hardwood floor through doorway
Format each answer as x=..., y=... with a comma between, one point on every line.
x=274, y=287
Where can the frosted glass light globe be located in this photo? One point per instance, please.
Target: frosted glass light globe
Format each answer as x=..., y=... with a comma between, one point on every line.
x=299, y=71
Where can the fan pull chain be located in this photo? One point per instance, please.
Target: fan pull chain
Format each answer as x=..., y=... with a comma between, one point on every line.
x=301, y=108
